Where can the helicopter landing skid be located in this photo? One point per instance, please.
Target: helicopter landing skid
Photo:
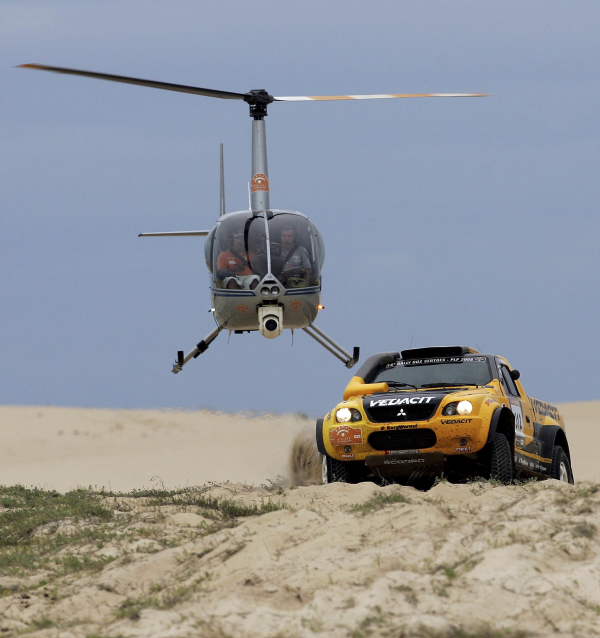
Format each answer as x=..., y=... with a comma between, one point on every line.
x=329, y=344
x=201, y=346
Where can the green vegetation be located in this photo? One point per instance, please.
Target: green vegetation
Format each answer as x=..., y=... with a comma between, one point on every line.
x=160, y=598
x=61, y=533
x=32, y=529
x=228, y=508
x=377, y=502
x=585, y=529
x=42, y=623
x=27, y=510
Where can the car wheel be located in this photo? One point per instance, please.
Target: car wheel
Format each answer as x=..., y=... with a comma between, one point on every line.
x=339, y=471
x=561, y=467
x=501, y=462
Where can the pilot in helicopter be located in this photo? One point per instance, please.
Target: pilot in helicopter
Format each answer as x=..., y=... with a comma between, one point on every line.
x=295, y=260
x=233, y=265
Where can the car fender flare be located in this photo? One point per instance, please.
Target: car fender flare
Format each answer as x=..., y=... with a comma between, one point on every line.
x=498, y=414
x=319, y=436
x=551, y=435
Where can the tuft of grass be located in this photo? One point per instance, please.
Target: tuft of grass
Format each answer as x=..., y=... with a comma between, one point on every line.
x=585, y=491
x=73, y=563
x=449, y=572
x=226, y=507
x=131, y=608
x=377, y=502
x=585, y=529
x=161, y=598
x=27, y=510
x=30, y=530
x=484, y=631
x=194, y=497
x=42, y=623
x=409, y=593
x=38, y=552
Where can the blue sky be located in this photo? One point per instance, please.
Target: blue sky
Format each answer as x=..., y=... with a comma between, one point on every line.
x=445, y=221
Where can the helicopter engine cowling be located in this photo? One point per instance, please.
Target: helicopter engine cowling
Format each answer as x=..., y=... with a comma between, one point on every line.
x=270, y=320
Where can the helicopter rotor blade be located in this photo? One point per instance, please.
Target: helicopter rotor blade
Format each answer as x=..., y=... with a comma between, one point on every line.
x=181, y=88
x=377, y=96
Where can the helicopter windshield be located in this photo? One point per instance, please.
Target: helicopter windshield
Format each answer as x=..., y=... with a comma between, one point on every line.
x=244, y=249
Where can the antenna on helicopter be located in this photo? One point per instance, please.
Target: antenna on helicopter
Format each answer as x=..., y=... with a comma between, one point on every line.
x=222, y=209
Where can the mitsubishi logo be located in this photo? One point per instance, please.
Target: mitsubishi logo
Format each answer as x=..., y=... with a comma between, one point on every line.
x=401, y=413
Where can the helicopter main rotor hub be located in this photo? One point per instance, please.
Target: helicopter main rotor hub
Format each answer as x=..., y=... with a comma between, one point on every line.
x=259, y=100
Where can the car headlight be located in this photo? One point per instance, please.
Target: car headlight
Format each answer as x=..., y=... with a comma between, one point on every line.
x=344, y=415
x=458, y=407
x=464, y=407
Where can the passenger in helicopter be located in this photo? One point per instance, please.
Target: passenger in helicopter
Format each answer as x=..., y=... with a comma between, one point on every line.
x=233, y=266
x=295, y=260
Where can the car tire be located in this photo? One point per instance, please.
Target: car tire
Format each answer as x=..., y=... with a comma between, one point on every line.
x=561, y=466
x=501, y=459
x=335, y=471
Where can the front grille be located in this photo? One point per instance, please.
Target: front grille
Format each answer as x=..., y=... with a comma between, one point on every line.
x=402, y=439
x=402, y=406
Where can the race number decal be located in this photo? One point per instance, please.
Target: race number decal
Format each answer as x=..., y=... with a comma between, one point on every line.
x=519, y=427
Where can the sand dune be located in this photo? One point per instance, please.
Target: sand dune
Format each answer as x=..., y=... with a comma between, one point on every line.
x=583, y=432
x=63, y=448
x=460, y=561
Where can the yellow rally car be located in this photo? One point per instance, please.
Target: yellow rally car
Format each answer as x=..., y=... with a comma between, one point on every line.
x=413, y=415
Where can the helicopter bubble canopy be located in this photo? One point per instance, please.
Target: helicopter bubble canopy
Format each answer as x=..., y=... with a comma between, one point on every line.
x=247, y=246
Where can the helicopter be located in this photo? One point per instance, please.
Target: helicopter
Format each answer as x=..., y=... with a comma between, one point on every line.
x=265, y=263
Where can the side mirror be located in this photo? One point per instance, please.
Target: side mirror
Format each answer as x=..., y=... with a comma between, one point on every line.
x=514, y=374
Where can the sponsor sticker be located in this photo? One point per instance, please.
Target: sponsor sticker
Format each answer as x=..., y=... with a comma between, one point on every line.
x=545, y=409
x=396, y=461
x=260, y=182
x=434, y=361
x=449, y=421
x=345, y=435
x=376, y=403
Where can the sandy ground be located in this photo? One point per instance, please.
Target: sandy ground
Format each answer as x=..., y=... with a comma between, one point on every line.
x=583, y=432
x=64, y=448
x=459, y=561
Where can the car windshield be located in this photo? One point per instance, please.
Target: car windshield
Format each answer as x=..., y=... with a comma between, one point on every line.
x=441, y=371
